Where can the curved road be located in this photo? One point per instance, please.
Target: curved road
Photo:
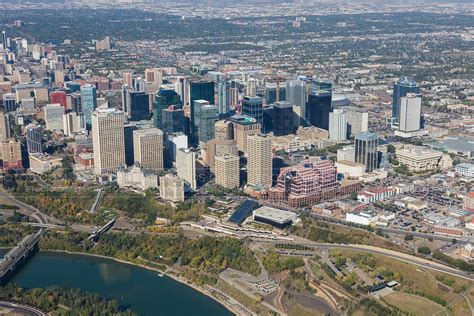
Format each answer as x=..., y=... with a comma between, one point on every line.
x=20, y=309
x=28, y=209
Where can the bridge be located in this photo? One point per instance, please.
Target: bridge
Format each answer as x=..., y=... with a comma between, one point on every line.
x=18, y=256
x=94, y=237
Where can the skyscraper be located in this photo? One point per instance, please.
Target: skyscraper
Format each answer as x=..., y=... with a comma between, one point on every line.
x=227, y=171
x=206, y=116
x=410, y=113
x=139, y=106
x=128, y=143
x=275, y=92
x=34, y=138
x=296, y=94
x=108, y=140
x=88, y=102
x=201, y=90
x=244, y=126
x=223, y=97
x=400, y=89
x=283, y=119
x=4, y=40
x=148, y=148
x=186, y=167
x=173, y=120
x=172, y=188
x=161, y=101
x=366, y=150
x=318, y=108
x=223, y=130
x=338, y=125
x=253, y=107
x=5, y=128
x=259, y=161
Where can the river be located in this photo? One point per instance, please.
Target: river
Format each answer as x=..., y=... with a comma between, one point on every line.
x=141, y=290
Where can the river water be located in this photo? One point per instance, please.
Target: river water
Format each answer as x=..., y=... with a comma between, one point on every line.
x=141, y=290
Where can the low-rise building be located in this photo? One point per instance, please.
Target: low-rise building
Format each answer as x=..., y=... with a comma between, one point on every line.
x=136, y=177
x=374, y=195
x=465, y=169
x=40, y=163
x=350, y=169
x=420, y=159
x=274, y=217
x=365, y=217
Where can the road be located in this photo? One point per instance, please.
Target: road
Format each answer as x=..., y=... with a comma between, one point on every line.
x=16, y=309
x=384, y=252
x=28, y=209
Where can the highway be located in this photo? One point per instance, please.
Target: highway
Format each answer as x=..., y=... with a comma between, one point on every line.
x=380, y=251
x=15, y=309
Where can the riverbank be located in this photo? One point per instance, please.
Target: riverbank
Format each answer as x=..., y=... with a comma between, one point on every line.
x=172, y=276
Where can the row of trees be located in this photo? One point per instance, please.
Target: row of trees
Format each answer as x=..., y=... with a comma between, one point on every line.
x=73, y=301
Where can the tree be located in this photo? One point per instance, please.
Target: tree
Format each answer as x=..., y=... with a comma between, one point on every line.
x=454, y=241
x=408, y=237
x=430, y=239
x=424, y=250
x=390, y=149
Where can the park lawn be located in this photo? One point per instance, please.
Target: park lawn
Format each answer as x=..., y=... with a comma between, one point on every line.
x=415, y=278
x=295, y=309
x=461, y=308
x=413, y=304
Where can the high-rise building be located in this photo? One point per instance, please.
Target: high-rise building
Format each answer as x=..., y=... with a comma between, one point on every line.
x=223, y=130
x=251, y=87
x=172, y=188
x=338, y=125
x=34, y=138
x=148, y=148
x=103, y=44
x=318, y=85
x=161, y=101
x=58, y=97
x=153, y=76
x=128, y=130
x=139, y=106
x=400, y=89
x=201, y=90
x=70, y=124
x=318, y=108
x=366, y=150
x=88, y=102
x=9, y=102
x=284, y=122
x=357, y=121
x=259, y=161
x=11, y=154
x=227, y=171
x=216, y=148
x=275, y=92
x=410, y=113
x=173, y=120
x=53, y=116
x=205, y=117
x=108, y=140
x=244, y=126
x=4, y=40
x=5, y=128
x=186, y=167
x=253, y=107
x=176, y=141
x=223, y=97
x=296, y=94
x=126, y=99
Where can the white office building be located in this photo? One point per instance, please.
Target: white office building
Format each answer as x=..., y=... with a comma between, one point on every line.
x=410, y=113
x=338, y=125
x=186, y=167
